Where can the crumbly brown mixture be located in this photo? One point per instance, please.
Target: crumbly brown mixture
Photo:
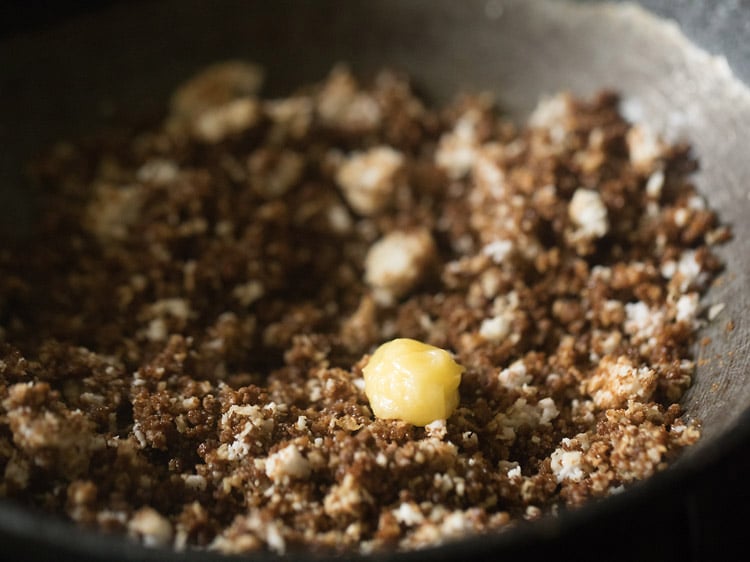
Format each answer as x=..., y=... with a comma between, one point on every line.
x=181, y=347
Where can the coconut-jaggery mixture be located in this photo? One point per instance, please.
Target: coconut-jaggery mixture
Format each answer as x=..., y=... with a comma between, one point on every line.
x=182, y=343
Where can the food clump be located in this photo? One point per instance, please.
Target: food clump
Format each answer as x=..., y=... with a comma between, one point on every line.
x=412, y=381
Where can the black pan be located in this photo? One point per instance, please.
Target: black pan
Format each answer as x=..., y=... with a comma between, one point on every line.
x=56, y=71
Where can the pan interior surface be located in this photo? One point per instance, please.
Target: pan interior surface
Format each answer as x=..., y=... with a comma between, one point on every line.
x=67, y=79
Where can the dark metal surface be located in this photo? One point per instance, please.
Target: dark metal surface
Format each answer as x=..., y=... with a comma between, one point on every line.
x=65, y=79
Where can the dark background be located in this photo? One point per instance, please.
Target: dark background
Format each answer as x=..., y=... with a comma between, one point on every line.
x=17, y=15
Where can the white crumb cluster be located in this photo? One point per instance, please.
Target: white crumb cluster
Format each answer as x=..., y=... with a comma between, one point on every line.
x=644, y=145
x=345, y=498
x=218, y=102
x=567, y=465
x=162, y=316
x=552, y=114
x=515, y=376
x=287, y=463
x=457, y=150
x=589, y=214
x=396, y=263
x=253, y=421
x=151, y=527
x=291, y=117
x=217, y=123
x=341, y=104
x=159, y=171
x=617, y=380
x=496, y=328
x=368, y=180
x=499, y=326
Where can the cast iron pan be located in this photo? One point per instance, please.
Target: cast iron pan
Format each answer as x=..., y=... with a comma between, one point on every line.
x=63, y=77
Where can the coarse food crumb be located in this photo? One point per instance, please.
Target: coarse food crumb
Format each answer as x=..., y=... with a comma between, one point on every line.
x=182, y=343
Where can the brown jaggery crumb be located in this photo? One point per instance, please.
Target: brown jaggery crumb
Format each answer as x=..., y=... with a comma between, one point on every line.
x=182, y=344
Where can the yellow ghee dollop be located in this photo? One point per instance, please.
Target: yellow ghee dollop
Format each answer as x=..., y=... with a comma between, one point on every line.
x=412, y=381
